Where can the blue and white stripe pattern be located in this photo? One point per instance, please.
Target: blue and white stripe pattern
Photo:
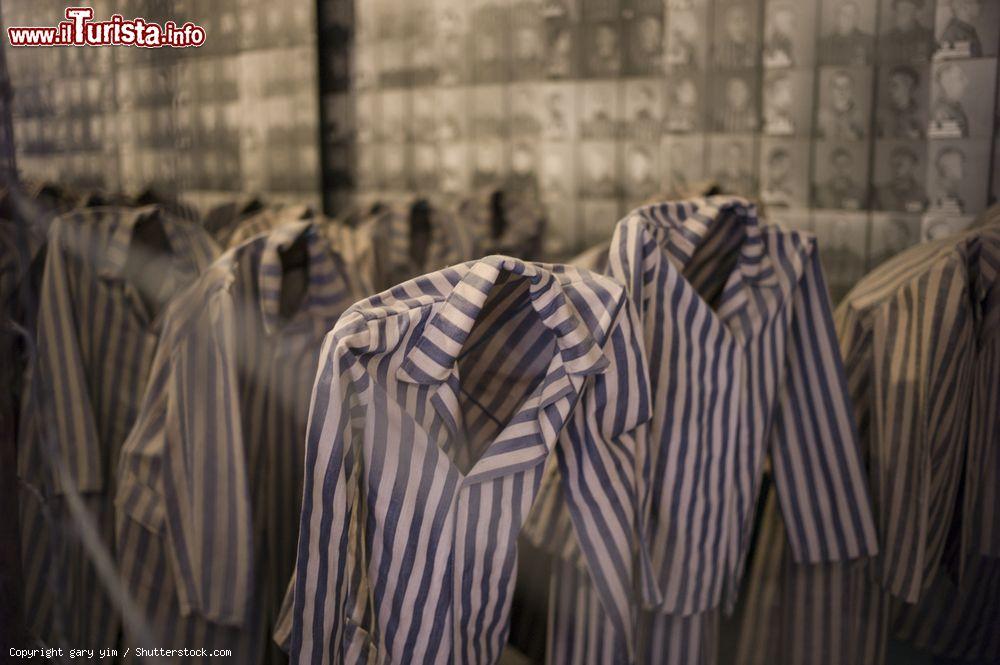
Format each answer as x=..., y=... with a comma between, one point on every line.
x=919, y=336
x=743, y=364
x=96, y=340
x=211, y=477
x=436, y=407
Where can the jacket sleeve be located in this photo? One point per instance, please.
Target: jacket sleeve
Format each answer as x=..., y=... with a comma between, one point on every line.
x=814, y=442
x=322, y=626
x=603, y=464
x=62, y=373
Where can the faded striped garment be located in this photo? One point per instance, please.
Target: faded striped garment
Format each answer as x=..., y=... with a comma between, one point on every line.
x=210, y=480
x=436, y=407
x=743, y=364
x=19, y=245
x=505, y=223
x=389, y=233
x=353, y=246
x=266, y=220
x=96, y=337
x=922, y=363
x=959, y=616
x=222, y=219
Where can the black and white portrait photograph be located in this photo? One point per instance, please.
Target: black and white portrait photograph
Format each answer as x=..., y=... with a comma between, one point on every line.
x=684, y=111
x=395, y=169
x=784, y=173
x=735, y=30
x=683, y=163
x=643, y=108
x=527, y=42
x=425, y=106
x=453, y=29
x=840, y=178
x=525, y=109
x=557, y=177
x=844, y=103
x=425, y=167
x=735, y=102
x=559, y=109
x=488, y=111
x=966, y=28
x=600, y=110
x=523, y=176
x=962, y=99
x=602, y=52
x=952, y=189
x=600, y=177
x=491, y=44
x=787, y=102
x=561, y=39
x=644, y=44
x=890, y=235
x=455, y=168
x=847, y=32
x=900, y=176
x=454, y=111
x=902, y=102
x=732, y=164
x=394, y=109
x=641, y=171
x=490, y=163
x=786, y=24
x=686, y=44
x=907, y=32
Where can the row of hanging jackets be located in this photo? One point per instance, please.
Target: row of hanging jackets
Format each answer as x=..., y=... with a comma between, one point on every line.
x=623, y=420
x=138, y=319
x=625, y=423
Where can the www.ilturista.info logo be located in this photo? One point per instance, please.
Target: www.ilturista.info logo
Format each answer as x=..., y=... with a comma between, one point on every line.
x=79, y=29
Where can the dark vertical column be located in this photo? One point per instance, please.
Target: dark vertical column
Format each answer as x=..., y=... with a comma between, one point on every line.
x=335, y=25
x=7, y=162
x=11, y=632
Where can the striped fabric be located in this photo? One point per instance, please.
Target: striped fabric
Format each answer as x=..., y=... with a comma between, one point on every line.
x=436, y=407
x=743, y=364
x=96, y=339
x=388, y=233
x=266, y=220
x=355, y=247
x=210, y=480
x=919, y=337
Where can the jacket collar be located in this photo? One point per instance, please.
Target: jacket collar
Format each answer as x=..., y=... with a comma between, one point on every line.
x=125, y=220
x=432, y=358
x=328, y=292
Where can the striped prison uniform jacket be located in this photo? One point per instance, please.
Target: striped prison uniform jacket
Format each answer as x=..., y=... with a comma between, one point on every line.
x=95, y=341
x=436, y=409
x=919, y=336
x=743, y=364
x=210, y=479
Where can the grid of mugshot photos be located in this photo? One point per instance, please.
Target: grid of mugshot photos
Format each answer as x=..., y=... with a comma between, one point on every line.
x=869, y=122
x=239, y=113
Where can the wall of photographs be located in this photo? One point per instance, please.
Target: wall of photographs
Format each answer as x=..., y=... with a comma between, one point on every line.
x=869, y=121
x=239, y=113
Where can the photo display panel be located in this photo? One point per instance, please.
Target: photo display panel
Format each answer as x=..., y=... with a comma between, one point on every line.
x=871, y=122
x=238, y=114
